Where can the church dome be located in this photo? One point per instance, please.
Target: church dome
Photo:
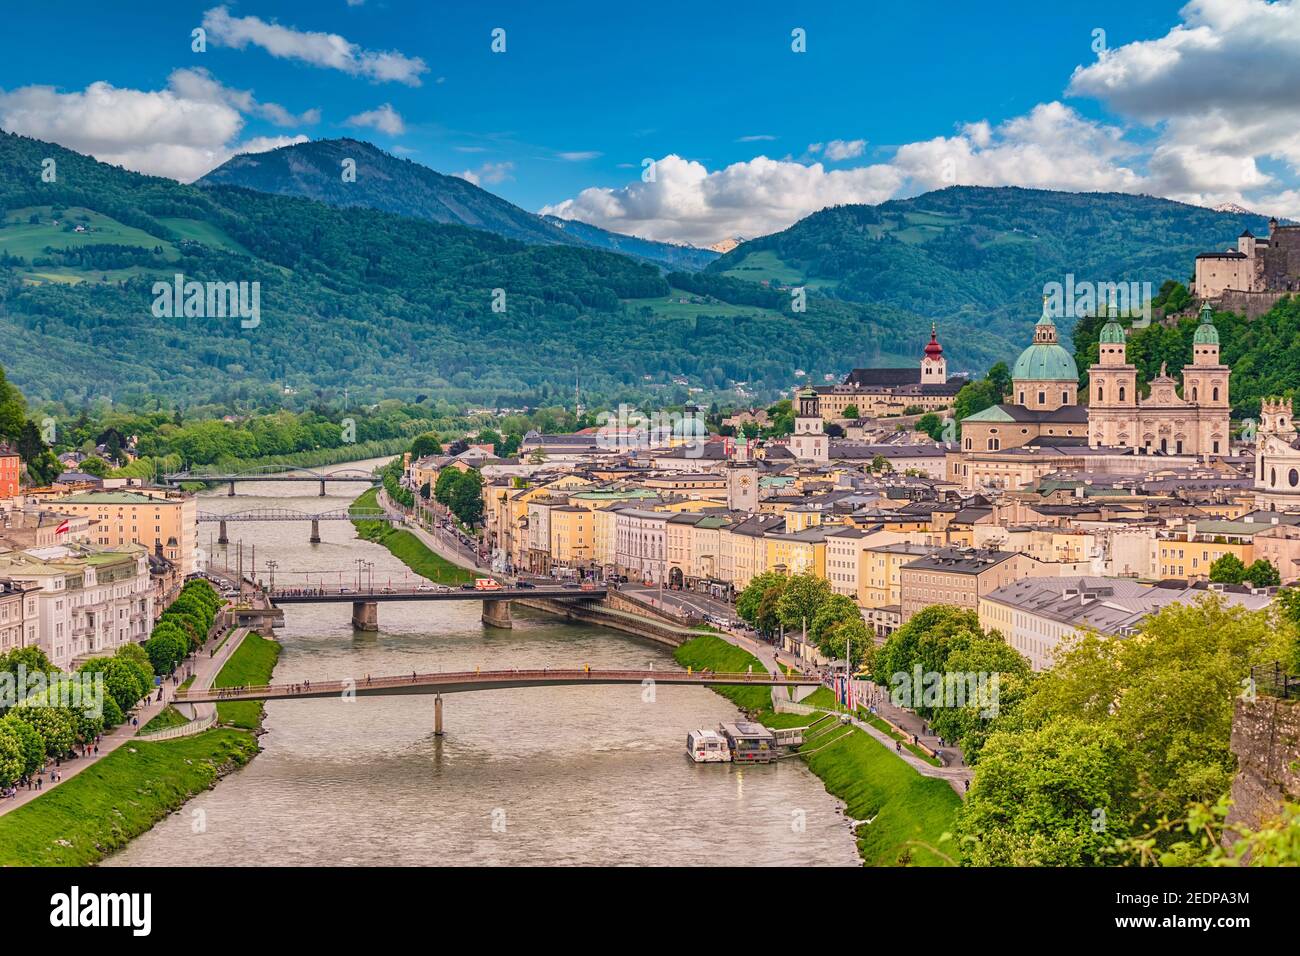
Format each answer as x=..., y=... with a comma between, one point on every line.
x=1046, y=360
x=1112, y=333
x=1206, y=333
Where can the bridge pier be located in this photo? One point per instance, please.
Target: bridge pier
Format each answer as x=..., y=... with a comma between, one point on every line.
x=221, y=533
x=231, y=492
x=437, y=715
x=315, y=531
x=322, y=488
x=497, y=614
x=365, y=615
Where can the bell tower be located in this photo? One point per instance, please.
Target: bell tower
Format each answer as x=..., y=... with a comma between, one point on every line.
x=1205, y=386
x=934, y=367
x=1112, y=387
x=809, y=441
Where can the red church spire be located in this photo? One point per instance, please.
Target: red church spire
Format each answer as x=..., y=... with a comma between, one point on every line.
x=933, y=349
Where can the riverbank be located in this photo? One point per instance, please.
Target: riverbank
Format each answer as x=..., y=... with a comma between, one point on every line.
x=904, y=815
x=105, y=806
x=406, y=547
x=252, y=663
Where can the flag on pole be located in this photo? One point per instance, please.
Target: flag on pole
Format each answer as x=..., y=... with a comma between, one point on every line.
x=62, y=528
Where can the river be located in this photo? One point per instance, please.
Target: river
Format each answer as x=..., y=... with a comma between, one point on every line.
x=540, y=776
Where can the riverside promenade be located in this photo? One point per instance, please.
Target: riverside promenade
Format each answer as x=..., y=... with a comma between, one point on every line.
x=205, y=670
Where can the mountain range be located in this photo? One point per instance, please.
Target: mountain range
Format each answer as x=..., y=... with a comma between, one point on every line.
x=349, y=172
x=390, y=303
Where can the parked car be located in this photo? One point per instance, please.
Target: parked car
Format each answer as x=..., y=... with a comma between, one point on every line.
x=525, y=584
x=425, y=587
x=468, y=586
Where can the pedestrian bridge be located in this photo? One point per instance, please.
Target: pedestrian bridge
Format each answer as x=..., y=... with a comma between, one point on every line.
x=455, y=682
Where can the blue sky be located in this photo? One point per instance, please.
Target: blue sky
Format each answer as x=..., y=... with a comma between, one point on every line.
x=1195, y=102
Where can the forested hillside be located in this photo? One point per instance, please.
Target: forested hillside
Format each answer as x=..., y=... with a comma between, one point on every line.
x=378, y=303
x=983, y=255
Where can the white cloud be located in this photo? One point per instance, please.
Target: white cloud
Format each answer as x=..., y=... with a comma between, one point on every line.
x=688, y=203
x=579, y=155
x=489, y=173
x=181, y=132
x=319, y=49
x=838, y=150
x=1052, y=147
x=199, y=85
x=383, y=118
x=1222, y=91
x=757, y=138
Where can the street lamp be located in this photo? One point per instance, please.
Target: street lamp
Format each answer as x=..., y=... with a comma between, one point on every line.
x=271, y=566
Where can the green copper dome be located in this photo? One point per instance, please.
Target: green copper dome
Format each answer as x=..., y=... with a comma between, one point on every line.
x=1112, y=333
x=1206, y=333
x=1045, y=360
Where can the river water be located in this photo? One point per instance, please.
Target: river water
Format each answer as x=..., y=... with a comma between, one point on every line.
x=544, y=776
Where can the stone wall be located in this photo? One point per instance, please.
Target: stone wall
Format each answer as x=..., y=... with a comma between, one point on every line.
x=1250, y=304
x=1266, y=742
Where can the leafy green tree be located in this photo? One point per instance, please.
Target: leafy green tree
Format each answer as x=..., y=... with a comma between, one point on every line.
x=1227, y=570
x=1056, y=795
x=30, y=742
x=467, y=497
x=880, y=465
x=850, y=411
x=931, y=424
x=749, y=599
x=1262, y=574
x=834, y=610
x=446, y=481
x=803, y=596
x=425, y=445
x=95, y=466
x=12, y=760
x=56, y=725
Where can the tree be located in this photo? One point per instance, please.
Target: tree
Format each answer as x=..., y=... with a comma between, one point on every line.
x=749, y=599
x=467, y=497
x=442, y=486
x=94, y=466
x=834, y=610
x=881, y=465
x=1053, y=796
x=1227, y=570
x=12, y=760
x=850, y=411
x=33, y=747
x=425, y=445
x=931, y=424
x=1262, y=574
x=803, y=596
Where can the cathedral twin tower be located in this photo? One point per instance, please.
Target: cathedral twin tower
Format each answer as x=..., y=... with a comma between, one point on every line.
x=1195, y=423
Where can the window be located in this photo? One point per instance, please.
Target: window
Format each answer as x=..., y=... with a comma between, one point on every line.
x=1293, y=477
x=1100, y=393
x=1065, y=398
x=1214, y=395
x=1042, y=398
x=1121, y=393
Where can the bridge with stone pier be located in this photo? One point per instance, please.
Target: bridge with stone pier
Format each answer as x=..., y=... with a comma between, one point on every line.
x=455, y=682
x=496, y=601
x=344, y=475
x=292, y=514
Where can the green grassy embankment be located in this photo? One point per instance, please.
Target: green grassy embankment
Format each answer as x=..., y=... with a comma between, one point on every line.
x=98, y=811
x=909, y=813
x=407, y=548
x=167, y=717
x=253, y=663
x=715, y=654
